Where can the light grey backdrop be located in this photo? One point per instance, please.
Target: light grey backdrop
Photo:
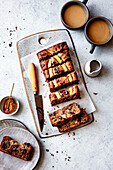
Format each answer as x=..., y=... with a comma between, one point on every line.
x=91, y=148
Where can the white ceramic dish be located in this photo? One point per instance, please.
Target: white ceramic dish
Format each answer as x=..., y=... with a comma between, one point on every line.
x=93, y=68
x=20, y=135
x=2, y=104
x=5, y=123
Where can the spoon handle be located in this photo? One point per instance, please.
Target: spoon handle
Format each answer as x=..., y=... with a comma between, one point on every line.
x=11, y=90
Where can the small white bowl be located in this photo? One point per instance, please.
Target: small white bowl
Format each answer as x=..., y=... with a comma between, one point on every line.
x=2, y=104
x=93, y=68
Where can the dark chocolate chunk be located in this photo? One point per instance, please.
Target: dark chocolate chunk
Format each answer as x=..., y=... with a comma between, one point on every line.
x=10, y=151
x=56, y=70
x=24, y=151
x=72, y=113
x=54, y=113
x=65, y=92
x=60, y=117
x=58, y=46
x=27, y=144
x=43, y=54
x=15, y=146
x=59, y=122
x=50, y=115
x=4, y=146
x=63, y=44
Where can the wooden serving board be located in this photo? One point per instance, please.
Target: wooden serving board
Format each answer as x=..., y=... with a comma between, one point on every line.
x=27, y=49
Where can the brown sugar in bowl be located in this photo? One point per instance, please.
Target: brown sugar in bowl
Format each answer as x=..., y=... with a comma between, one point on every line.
x=9, y=106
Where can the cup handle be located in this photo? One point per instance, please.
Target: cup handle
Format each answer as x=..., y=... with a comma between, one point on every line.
x=92, y=48
x=84, y=1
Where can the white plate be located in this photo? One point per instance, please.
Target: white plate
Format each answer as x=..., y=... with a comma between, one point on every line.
x=10, y=123
x=8, y=162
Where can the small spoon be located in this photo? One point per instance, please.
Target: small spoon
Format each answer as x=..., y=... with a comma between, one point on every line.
x=10, y=95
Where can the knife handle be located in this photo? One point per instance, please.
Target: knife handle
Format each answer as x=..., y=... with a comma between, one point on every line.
x=33, y=77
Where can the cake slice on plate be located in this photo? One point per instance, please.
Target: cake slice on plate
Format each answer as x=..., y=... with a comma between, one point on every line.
x=13, y=148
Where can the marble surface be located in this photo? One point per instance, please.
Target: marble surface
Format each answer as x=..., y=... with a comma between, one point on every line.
x=91, y=147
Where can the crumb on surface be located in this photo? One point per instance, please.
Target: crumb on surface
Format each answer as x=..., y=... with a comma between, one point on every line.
x=95, y=93
x=73, y=133
x=47, y=150
x=10, y=44
x=52, y=154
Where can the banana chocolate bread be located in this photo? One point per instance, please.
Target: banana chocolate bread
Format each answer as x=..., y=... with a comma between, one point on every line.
x=57, y=71
x=64, y=81
x=81, y=119
x=69, y=125
x=55, y=60
x=47, y=53
x=61, y=116
x=13, y=148
x=64, y=95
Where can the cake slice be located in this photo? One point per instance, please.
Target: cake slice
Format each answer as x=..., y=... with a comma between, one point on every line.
x=58, y=71
x=69, y=125
x=64, y=81
x=47, y=53
x=13, y=148
x=64, y=95
x=57, y=59
x=81, y=119
x=61, y=116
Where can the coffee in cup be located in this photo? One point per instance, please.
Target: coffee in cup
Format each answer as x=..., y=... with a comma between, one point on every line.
x=74, y=14
x=98, y=31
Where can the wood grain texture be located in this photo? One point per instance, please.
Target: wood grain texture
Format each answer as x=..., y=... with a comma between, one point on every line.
x=33, y=77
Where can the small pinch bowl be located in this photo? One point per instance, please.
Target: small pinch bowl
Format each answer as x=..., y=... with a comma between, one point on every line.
x=66, y=5
x=2, y=104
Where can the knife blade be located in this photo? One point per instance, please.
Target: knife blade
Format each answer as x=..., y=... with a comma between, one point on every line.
x=38, y=98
